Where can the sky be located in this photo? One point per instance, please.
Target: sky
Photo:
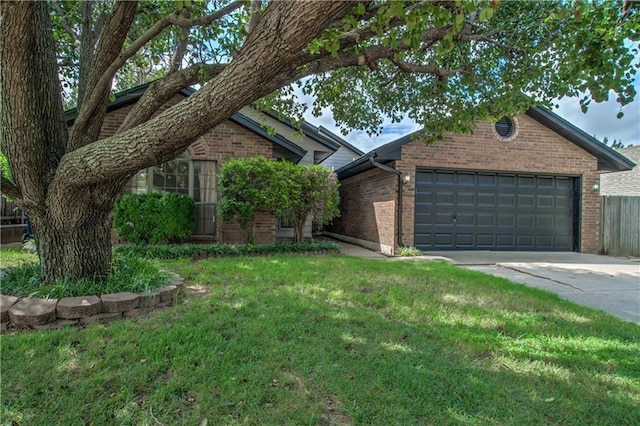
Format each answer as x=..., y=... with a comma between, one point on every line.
x=599, y=121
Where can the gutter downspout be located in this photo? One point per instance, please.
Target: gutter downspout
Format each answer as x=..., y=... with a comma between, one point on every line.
x=399, y=208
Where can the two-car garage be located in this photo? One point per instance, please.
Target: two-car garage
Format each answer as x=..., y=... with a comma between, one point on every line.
x=495, y=211
x=525, y=183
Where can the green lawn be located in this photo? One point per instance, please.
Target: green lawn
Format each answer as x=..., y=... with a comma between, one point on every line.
x=333, y=340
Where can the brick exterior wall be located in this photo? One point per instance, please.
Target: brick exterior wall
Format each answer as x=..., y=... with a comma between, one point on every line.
x=368, y=208
x=226, y=141
x=533, y=149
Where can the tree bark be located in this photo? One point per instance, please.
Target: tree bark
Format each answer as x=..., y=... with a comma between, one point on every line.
x=74, y=250
x=298, y=230
x=74, y=233
x=68, y=184
x=33, y=134
x=72, y=224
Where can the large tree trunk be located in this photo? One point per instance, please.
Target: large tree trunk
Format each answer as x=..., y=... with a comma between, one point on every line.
x=67, y=185
x=74, y=250
x=73, y=233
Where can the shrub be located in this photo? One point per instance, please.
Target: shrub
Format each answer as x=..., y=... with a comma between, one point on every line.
x=246, y=186
x=294, y=192
x=154, y=218
x=410, y=251
x=306, y=191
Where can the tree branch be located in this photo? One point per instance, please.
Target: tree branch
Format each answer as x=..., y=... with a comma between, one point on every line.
x=181, y=48
x=93, y=106
x=161, y=91
x=284, y=29
x=9, y=189
x=100, y=92
x=65, y=22
x=254, y=15
x=87, y=49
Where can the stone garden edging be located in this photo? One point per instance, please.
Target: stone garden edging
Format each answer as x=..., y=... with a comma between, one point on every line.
x=44, y=314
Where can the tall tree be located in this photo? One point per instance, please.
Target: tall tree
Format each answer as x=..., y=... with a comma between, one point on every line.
x=443, y=63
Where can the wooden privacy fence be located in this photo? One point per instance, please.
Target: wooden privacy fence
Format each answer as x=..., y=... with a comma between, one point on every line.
x=620, y=226
x=11, y=215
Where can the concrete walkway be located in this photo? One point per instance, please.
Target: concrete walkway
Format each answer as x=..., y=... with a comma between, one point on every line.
x=357, y=251
x=602, y=282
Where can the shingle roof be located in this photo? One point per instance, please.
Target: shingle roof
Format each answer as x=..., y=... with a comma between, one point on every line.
x=132, y=95
x=623, y=183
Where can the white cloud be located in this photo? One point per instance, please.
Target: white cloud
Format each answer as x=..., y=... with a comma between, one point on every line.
x=600, y=119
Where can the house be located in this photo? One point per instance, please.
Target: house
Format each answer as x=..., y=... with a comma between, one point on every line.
x=523, y=183
x=623, y=183
x=247, y=133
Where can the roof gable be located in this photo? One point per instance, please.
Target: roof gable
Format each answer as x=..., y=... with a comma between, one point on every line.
x=341, y=141
x=608, y=158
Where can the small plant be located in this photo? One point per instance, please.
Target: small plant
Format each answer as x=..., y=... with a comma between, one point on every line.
x=30, y=246
x=410, y=251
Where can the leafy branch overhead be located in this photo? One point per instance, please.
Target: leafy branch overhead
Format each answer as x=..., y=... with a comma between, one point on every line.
x=442, y=63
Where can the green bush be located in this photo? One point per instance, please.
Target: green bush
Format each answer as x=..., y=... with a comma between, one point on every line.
x=410, y=251
x=154, y=218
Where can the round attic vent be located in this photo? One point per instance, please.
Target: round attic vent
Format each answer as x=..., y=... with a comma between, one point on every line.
x=505, y=127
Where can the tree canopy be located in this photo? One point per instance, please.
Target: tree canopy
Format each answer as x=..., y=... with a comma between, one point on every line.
x=443, y=63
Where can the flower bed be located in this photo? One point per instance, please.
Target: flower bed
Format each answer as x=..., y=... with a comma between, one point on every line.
x=42, y=314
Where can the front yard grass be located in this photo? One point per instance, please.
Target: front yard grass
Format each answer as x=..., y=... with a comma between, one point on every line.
x=333, y=340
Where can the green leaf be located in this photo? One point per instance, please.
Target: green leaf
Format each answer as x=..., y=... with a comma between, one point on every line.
x=620, y=114
x=486, y=14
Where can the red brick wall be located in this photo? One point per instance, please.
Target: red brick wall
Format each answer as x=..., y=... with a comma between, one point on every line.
x=368, y=207
x=226, y=141
x=534, y=149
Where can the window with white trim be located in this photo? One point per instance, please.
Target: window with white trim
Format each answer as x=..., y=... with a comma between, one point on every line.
x=196, y=178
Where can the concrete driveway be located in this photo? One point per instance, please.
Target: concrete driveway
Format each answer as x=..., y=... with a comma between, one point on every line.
x=607, y=283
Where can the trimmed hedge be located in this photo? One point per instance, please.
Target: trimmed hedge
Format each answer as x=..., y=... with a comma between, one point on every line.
x=154, y=218
x=200, y=251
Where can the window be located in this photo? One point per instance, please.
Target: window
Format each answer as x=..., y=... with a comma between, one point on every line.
x=284, y=224
x=196, y=178
x=172, y=176
x=505, y=127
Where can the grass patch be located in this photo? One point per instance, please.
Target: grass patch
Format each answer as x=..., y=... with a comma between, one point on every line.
x=21, y=277
x=333, y=340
